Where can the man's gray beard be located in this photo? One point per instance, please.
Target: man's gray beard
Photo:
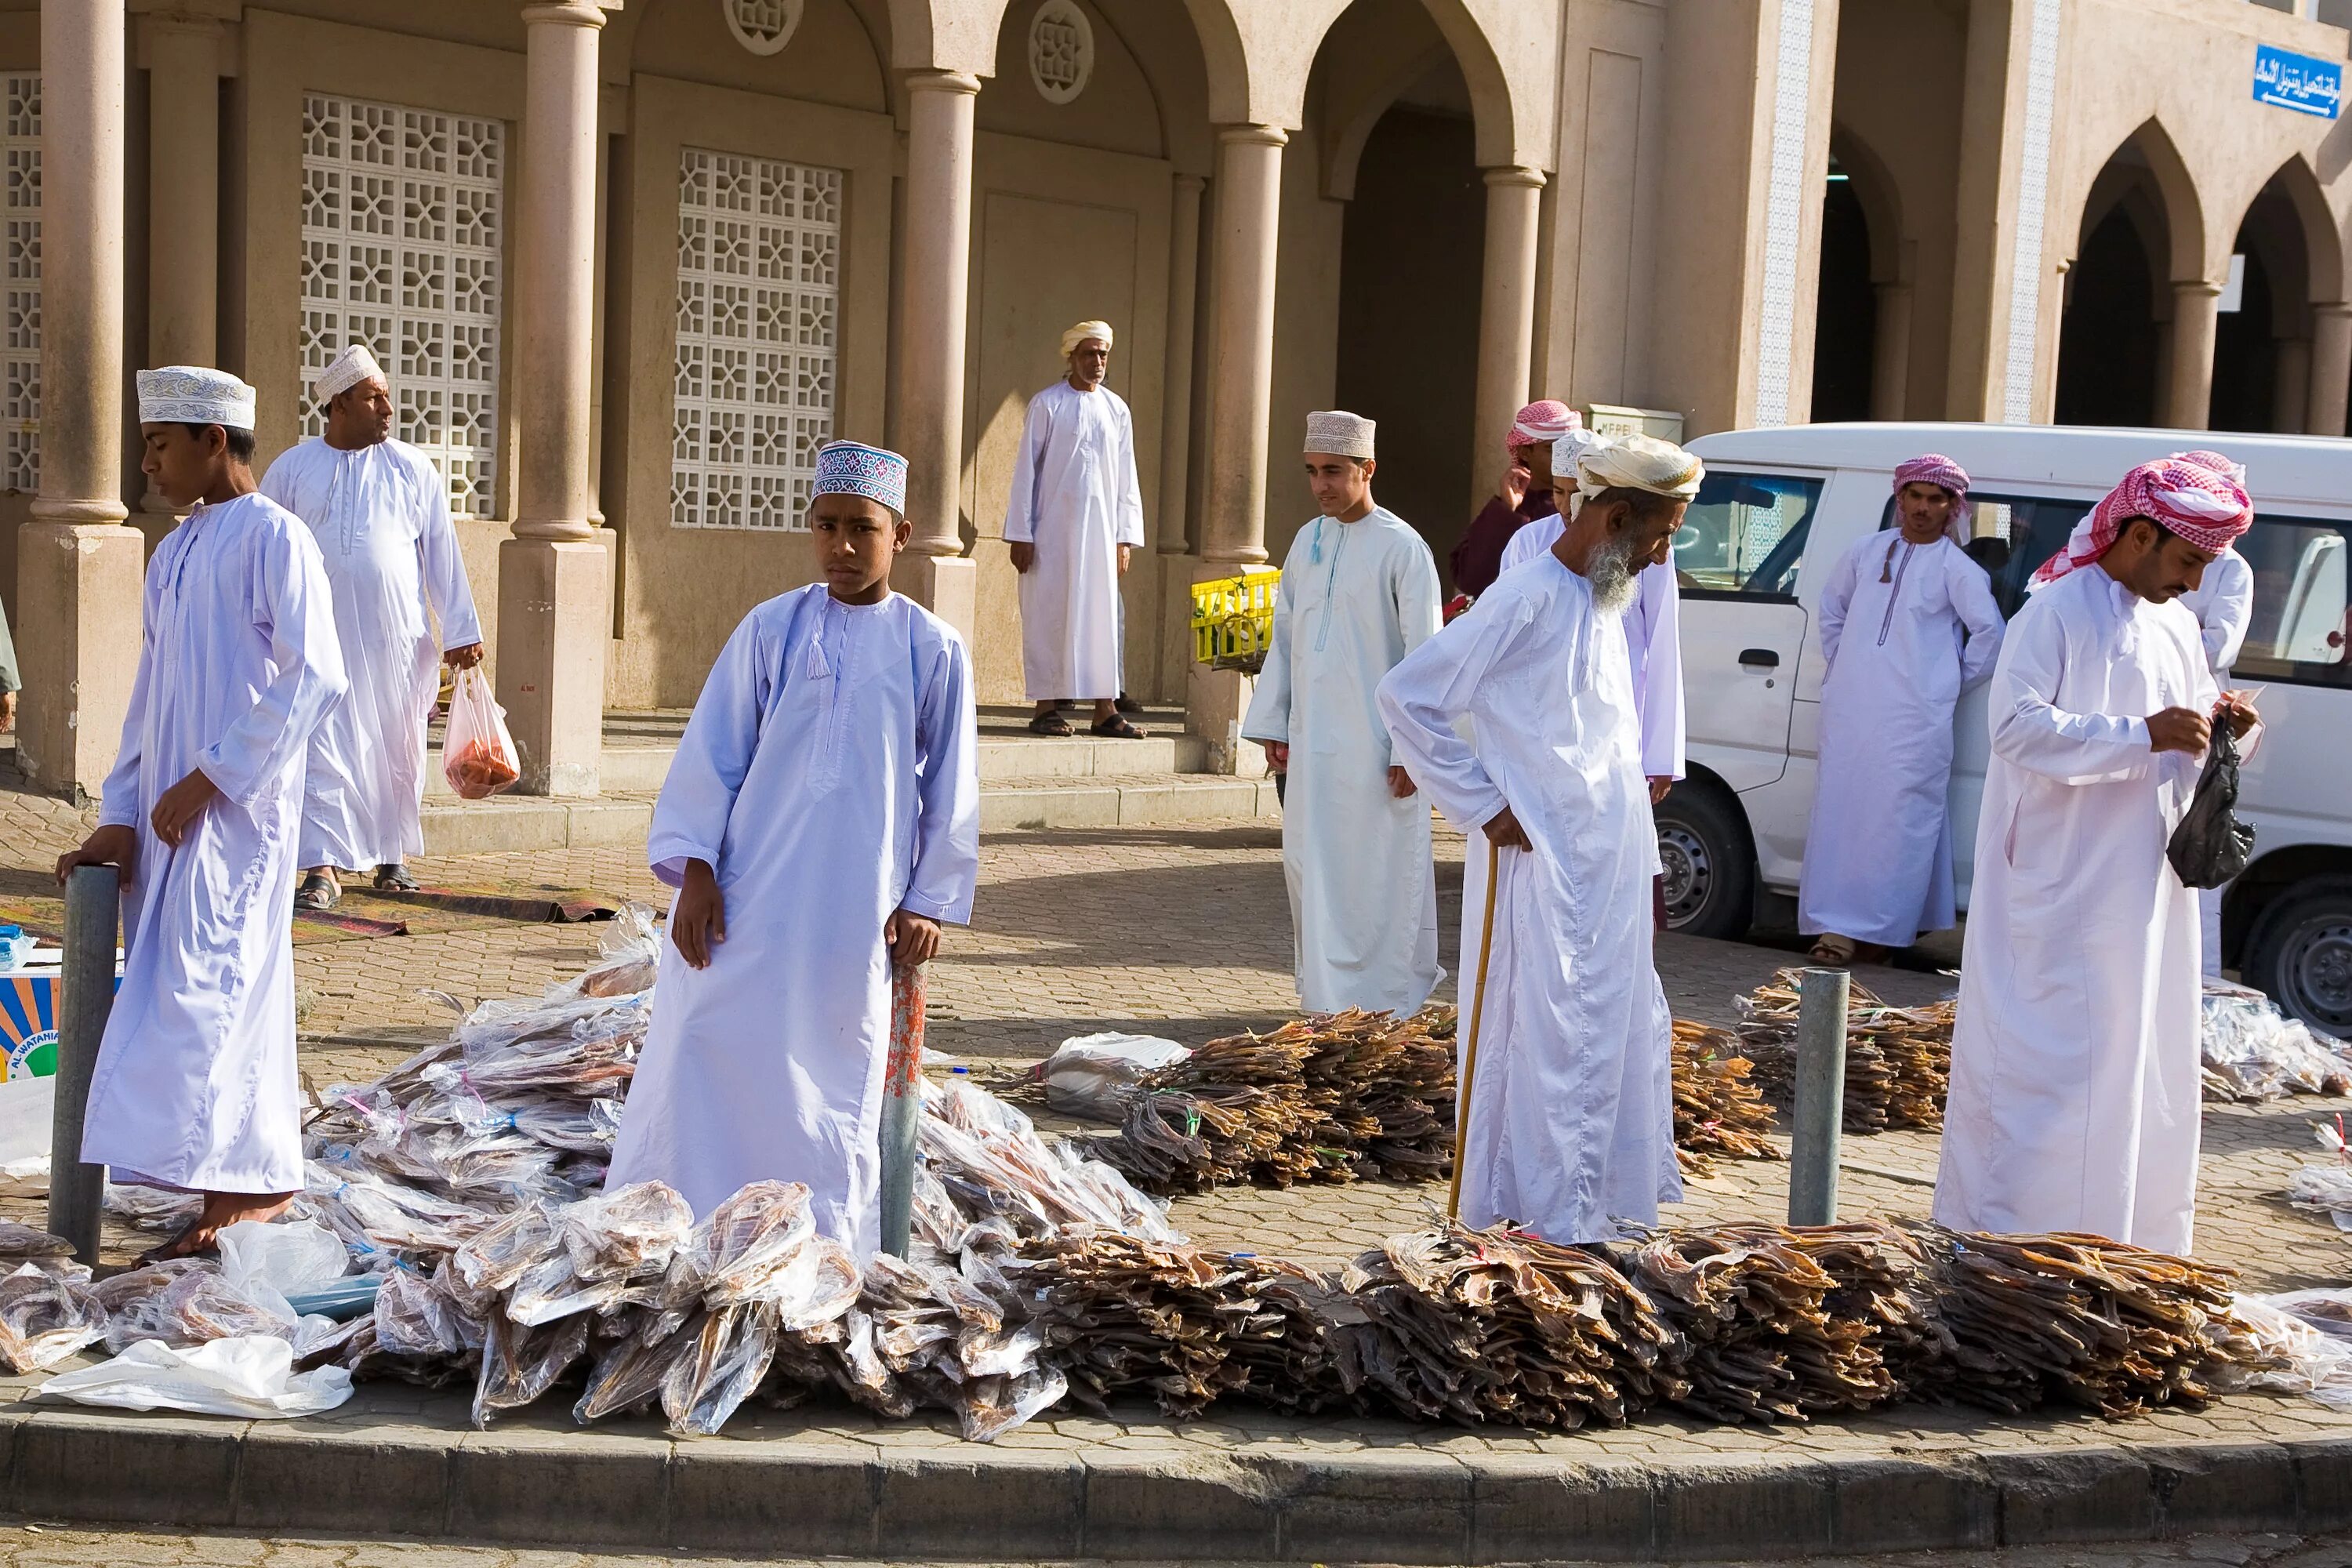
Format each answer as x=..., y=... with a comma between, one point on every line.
x=1609, y=570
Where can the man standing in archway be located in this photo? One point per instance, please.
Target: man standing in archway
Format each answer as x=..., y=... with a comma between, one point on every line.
x=1524, y=494
x=1075, y=518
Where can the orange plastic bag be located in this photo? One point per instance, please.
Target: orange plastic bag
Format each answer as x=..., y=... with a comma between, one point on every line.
x=478, y=755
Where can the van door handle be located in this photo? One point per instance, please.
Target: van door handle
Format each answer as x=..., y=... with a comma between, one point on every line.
x=1763, y=657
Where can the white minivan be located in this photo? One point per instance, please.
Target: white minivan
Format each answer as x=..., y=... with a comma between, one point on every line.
x=1777, y=510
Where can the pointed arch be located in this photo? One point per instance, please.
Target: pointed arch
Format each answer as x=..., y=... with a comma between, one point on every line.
x=1881, y=202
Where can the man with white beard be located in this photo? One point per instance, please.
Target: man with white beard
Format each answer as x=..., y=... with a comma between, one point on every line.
x=1570, y=1114
x=2074, y=1100
x=380, y=511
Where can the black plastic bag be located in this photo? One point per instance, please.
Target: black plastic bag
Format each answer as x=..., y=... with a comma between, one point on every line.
x=2212, y=846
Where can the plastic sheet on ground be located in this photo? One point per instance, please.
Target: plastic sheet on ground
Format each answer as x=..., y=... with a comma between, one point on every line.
x=1097, y=1076
x=251, y=1376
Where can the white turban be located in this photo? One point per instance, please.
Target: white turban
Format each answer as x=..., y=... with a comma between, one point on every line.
x=1081, y=332
x=1638, y=463
x=351, y=367
x=1569, y=449
x=1339, y=433
x=193, y=395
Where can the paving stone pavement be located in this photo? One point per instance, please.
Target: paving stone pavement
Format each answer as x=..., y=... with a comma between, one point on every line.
x=49, y=1546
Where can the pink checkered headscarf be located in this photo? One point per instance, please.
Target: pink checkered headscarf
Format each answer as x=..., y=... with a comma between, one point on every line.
x=2228, y=468
x=1541, y=423
x=1935, y=468
x=2207, y=508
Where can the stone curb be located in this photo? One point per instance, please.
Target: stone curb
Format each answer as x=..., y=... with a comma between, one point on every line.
x=835, y=1496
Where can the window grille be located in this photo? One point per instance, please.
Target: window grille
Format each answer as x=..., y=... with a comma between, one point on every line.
x=20, y=278
x=400, y=231
x=759, y=289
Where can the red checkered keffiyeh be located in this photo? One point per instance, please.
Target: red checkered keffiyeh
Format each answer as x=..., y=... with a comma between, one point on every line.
x=1541, y=423
x=2207, y=508
x=1935, y=468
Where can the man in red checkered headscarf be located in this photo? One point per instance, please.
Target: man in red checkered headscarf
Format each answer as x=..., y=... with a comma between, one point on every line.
x=2074, y=1092
x=1524, y=494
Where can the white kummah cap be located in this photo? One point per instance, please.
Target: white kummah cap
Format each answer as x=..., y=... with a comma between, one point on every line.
x=1339, y=433
x=1638, y=463
x=193, y=395
x=1568, y=448
x=854, y=468
x=1081, y=332
x=352, y=366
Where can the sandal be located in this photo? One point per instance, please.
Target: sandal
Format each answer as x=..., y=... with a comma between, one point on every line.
x=319, y=892
x=393, y=877
x=1835, y=952
x=1116, y=727
x=1126, y=704
x=1049, y=723
x=174, y=1249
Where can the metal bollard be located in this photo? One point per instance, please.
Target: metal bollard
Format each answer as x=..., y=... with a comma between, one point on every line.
x=902, y=1109
x=1820, y=1097
x=86, y=986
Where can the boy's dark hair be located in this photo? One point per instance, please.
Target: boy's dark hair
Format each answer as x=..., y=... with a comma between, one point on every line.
x=241, y=444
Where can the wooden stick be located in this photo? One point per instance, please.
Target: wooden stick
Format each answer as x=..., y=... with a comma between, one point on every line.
x=1470, y=1053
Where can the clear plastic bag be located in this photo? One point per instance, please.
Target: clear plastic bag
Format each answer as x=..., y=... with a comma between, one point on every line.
x=477, y=753
x=520, y=1363
x=249, y=1376
x=43, y=1320
x=1097, y=1075
x=267, y=1263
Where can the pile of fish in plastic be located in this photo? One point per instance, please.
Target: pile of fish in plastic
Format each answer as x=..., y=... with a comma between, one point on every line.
x=1328, y=1098
x=1898, y=1060
x=468, y=1182
x=2251, y=1051
x=1718, y=1109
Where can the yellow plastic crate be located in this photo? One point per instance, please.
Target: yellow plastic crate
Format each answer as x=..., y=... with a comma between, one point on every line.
x=1233, y=620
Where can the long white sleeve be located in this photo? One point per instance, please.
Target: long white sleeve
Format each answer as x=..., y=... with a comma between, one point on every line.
x=1836, y=595
x=1659, y=605
x=443, y=567
x=698, y=796
x=1021, y=506
x=245, y=762
x=1431, y=687
x=1973, y=601
x=1413, y=600
x=2224, y=605
x=1129, y=499
x=2031, y=730
x=946, y=823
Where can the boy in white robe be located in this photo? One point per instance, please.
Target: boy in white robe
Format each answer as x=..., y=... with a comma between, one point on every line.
x=2224, y=605
x=1075, y=518
x=1358, y=593
x=194, y=1088
x=1908, y=623
x=2074, y=1101
x=380, y=512
x=1568, y=1113
x=821, y=822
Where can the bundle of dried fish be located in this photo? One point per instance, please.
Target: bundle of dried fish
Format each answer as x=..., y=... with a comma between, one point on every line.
x=2076, y=1317
x=1478, y=1326
x=45, y=1317
x=1898, y=1060
x=1387, y=1084
x=1178, y=1141
x=1120, y=1314
x=423, y=1329
x=21, y=1241
x=1717, y=1107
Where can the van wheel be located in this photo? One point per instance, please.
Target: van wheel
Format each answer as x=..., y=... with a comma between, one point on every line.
x=2301, y=954
x=1709, y=859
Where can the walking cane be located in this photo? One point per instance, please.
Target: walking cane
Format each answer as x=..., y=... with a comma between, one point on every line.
x=1470, y=1055
x=902, y=1108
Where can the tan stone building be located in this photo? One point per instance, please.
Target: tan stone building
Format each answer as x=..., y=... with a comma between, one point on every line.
x=630, y=263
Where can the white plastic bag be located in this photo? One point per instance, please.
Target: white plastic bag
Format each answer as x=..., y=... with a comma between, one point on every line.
x=265, y=1263
x=1094, y=1076
x=251, y=1376
x=477, y=755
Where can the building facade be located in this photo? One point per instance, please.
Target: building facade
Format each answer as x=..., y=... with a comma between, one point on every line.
x=629, y=262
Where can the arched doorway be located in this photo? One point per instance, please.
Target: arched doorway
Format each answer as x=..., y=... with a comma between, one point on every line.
x=1846, y=328
x=2108, y=341
x=2262, y=350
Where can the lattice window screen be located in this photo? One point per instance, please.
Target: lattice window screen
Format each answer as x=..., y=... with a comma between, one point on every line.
x=759, y=289
x=401, y=237
x=20, y=283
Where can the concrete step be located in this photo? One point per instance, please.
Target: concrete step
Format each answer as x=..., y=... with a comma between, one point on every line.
x=511, y=822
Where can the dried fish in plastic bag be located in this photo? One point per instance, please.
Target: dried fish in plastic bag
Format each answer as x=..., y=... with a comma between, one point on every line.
x=628, y=1233
x=728, y=1354
x=520, y=1363
x=43, y=1320
x=185, y=1308
x=24, y=1241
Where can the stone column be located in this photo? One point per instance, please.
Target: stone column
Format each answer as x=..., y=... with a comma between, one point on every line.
x=555, y=575
x=2331, y=369
x=934, y=281
x=2290, y=385
x=1890, y=354
x=1176, y=390
x=1506, y=318
x=1241, y=394
x=78, y=569
x=183, y=61
x=2196, y=313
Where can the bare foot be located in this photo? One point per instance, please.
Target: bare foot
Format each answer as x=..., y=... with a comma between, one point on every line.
x=201, y=1235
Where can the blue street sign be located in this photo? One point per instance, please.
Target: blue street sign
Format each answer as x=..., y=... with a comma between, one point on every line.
x=2304, y=83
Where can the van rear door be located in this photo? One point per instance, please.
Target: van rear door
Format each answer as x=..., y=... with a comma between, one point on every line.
x=1743, y=629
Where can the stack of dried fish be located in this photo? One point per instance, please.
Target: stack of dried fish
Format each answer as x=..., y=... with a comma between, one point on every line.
x=1190, y=1327
x=2076, y=1317
x=1322, y=1098
x=1478, y=1326
x=1898, y=1060
x=1717, y=1107
x=47, y=1308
